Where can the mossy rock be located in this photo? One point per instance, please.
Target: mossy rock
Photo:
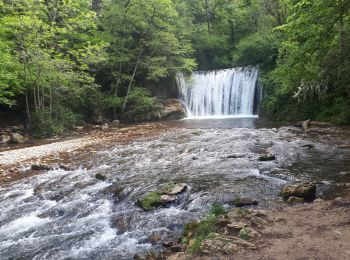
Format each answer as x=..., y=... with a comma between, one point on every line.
x=162, y=197
x=306, y=191
x=150, y=200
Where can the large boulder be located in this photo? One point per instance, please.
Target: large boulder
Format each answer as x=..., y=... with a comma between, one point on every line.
x=4, y=138
x=302, y=190
x=171, y=109
x=17, y=138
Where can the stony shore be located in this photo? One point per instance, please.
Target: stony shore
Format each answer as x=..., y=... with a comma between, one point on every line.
x=16, y=161
x=319, y=230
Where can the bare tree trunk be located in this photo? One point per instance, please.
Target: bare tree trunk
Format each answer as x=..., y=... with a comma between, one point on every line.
x=132, y=79
x=50, y=101
x=38, y=97
x=342, y=42
x=208, y=15
x=35, y=101
x=29, y=120
x=115, y=89
x=97, y=6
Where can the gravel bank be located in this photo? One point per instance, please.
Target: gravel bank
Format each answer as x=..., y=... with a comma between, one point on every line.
x=20, y=155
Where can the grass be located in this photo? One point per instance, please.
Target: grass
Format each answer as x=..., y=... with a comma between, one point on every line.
x=199, y=231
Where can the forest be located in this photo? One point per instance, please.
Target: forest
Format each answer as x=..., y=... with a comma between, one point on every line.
x=62, y=61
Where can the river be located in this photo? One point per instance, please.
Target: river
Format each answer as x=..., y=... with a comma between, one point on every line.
x=71, y=215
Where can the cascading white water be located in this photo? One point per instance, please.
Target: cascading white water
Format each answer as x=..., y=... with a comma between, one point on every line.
x=229, y=92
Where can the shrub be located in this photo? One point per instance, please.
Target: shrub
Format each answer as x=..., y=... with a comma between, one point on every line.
x=141, y=105
x=45, y=124
x=204, y=229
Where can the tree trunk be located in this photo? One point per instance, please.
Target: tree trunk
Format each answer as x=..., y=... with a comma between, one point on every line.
x=29, y=120
x=97, y=6
x=208, y=15
x=132, y=79
x=342, y=42
x=115, y=92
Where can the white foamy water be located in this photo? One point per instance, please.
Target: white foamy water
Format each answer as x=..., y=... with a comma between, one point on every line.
x=230, y=92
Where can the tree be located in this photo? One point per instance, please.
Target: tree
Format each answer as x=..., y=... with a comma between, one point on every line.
x=144, y=41
x=314, y=59
x=56, y=46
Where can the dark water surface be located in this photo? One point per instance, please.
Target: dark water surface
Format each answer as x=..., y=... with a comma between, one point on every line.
x=71, y=215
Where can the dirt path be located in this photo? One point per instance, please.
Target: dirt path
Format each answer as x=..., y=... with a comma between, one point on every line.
x=317, y=231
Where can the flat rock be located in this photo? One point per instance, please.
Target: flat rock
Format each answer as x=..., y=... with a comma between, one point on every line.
x=175, y=189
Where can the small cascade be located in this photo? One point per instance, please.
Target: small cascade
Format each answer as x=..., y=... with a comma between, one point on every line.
x=229, y=92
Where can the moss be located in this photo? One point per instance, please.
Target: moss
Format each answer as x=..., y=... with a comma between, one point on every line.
x=150, y=200
x=168, y=187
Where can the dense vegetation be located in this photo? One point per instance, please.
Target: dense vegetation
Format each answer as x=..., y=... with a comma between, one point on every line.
x=64, y=61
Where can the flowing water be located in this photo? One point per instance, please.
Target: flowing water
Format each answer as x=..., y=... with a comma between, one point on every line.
x=221, y=93
x=72, y=215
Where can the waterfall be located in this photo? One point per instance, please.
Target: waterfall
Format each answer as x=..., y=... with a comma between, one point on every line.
x=229, y=92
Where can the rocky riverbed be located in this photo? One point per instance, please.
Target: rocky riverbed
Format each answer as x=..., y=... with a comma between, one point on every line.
x=90, y=208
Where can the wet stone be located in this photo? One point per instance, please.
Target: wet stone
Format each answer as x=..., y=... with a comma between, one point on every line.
x=100, y=177
x=40, y=167
x=245, y=201
x=266, y=158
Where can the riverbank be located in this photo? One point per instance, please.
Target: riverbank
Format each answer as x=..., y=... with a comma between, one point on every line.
x=83, y=202
x=320, y=230
x=16, y=161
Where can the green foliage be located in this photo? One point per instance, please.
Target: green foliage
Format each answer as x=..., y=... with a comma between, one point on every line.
x=58, y=54
x=203, y=231
x=217, y=209
x=199, y=231
x=257, y=49
x=244, y=233
x=43, y=125
x=314, y=62
x=46, y=123
x=10, y=82
x=141, y=105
